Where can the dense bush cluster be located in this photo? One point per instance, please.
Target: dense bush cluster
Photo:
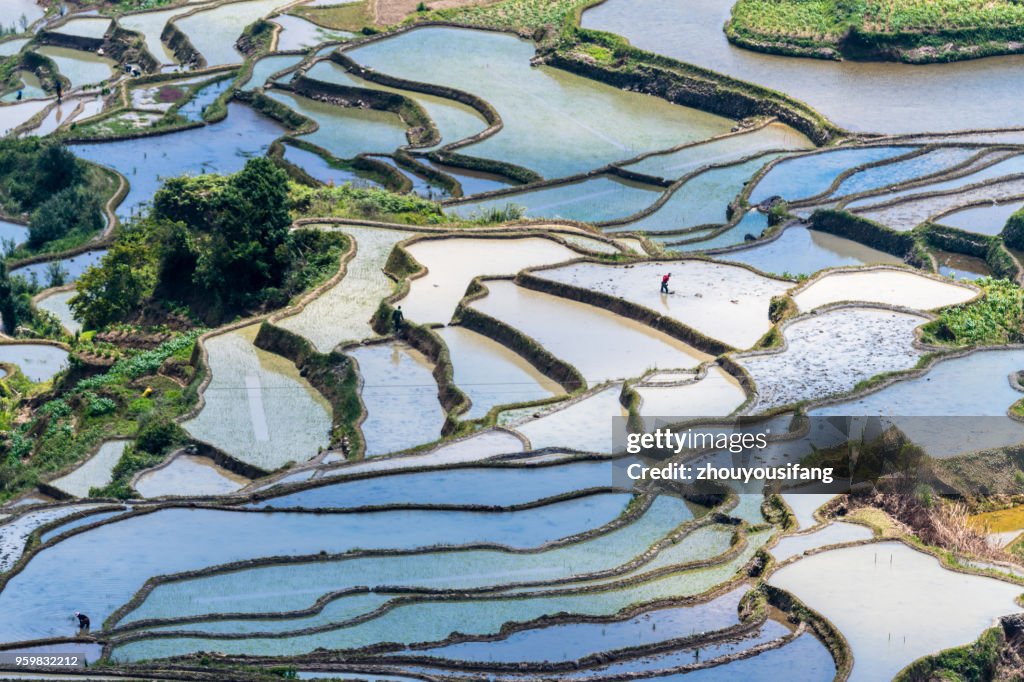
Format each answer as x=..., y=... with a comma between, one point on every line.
x=1013, y=231
x=218, y=245
x=46, y=181
x=996, y=318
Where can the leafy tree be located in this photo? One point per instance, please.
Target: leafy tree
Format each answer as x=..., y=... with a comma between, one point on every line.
x=245, y=250
x=1013, y=231
x=57, y=168
x=158, y=434
x=56, y=274
x=193, y=200
x=218, y=245
x=8, y=304
x=72, y=209
x=33, y=170
x=122, y=282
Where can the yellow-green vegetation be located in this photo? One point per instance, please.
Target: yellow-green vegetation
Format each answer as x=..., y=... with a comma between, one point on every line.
x=598, y=53
x=877, y=520
x=996, y=318
x=799, y=19
x=521, y=15
x=346, y=201
x=351, y=16
x=132, y=398
x=1001, y=521
x=910, y=30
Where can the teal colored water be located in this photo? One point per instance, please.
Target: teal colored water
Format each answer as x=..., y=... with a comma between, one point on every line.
x=575, y=640
x=347, y=131
x=585, y=124
x=807, y=176
x=800, y=251
x=433, y=620
x=317, y=167
x=110, y=563
x=297, y=586
x=221, y=147
x=702, y=200
x=862, y=96
x=493, y=486
x=592, y=200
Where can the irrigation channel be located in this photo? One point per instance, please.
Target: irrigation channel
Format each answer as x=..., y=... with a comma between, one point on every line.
x=358, y=495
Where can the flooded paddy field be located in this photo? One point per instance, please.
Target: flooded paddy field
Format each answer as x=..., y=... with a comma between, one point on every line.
x=343, y=388
x=636, y=347
x=594, y=200
x=283, y=417
x=490, y=374
x=699, y=291
x=701, y=200
x=893, y=287
x=800, y=251
x=896, y=636
x=451, y=264
x=831, y=352
x=596, y=124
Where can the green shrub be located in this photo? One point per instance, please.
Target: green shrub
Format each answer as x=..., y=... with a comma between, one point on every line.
x=71, y=210
x=158, y=435
x=996, y=318
x=1013, y=231
x=98, y=405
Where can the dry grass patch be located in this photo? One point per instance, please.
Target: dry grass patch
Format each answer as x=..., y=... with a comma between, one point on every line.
x=352, y=16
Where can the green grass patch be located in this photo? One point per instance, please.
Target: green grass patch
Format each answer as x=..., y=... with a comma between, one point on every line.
x=996, y=318
x=975, y=662
x=869, y=28
x=520, y=15
x=346, y=201
x=128, y=400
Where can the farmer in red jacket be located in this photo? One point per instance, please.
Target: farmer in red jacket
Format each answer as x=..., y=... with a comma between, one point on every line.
x=664, y=283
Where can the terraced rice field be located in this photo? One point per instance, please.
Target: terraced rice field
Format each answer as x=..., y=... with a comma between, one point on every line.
x=409, y=461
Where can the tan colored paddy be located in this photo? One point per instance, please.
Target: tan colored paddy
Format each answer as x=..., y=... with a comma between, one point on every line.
x=716, y=395
x=600, y=344
x=893, y=287
x=453, y=263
